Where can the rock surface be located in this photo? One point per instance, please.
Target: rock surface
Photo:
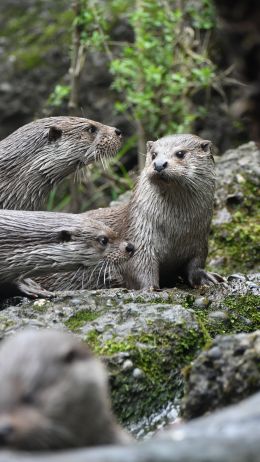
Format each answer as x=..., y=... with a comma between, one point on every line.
x=225, y=373
x=145, y=338
x=149, y=339
x=231, y=435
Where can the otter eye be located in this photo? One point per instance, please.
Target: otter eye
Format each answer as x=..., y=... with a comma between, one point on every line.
x=154, y=155
x=92, y=129
x=103, y=240
x=180, y=154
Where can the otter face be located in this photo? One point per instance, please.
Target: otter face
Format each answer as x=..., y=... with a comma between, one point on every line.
x=88, y=141
x=177, y=158
x=109, y=252
x=53, y=392
x=72, y=143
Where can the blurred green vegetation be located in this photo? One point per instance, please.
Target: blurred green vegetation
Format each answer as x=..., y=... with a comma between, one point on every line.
x=34, y=30
x=156, y=74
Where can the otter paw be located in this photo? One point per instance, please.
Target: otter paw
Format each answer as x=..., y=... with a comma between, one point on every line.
x=31, y=289
x=203, y=278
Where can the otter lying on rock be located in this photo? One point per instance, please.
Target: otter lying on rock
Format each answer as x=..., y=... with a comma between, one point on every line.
x=35, y=243
x=40, y=154
x=167, y=218
x=54, y=394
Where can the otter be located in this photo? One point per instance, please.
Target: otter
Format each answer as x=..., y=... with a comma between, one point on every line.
x=54, y=394
x=40, y=154
x=36, y=243
x=168, y=216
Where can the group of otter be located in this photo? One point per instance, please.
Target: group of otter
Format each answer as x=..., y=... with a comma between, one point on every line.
x=53, y=391
x=159, y=235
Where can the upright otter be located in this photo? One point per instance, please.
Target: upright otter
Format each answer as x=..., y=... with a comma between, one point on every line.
x=40, y=154
x=54, y=394
x=34, y=243
x=168, y=216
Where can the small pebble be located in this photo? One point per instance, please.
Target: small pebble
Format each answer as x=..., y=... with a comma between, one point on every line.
x=251, y=285
x=75, y=301
x=238, y=276
x=40, y=302
x=218, y=315
x=128, y=364
x=201, y=302
x=214, y=353
x=138, y=373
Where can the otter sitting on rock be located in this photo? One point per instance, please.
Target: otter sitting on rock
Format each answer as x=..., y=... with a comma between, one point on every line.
x=167, y=218
x=40, y=154
x=54, y=394
x=36, y=243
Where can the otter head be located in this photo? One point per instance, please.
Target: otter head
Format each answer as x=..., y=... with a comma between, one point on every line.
x=179, y=159
x=53, y=393
x=98, y=246
x=80, y=141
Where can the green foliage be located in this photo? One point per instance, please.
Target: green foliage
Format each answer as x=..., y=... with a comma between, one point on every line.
x=59, y=94
x=158, y=74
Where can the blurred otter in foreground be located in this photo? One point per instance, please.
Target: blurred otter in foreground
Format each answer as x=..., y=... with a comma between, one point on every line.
x=40, y=154
x=54, y=394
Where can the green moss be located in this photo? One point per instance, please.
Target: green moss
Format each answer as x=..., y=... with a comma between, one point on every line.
x=160, y=354
x=242, y=312
x=238, y=240
x=80, y=318
x=5, y=323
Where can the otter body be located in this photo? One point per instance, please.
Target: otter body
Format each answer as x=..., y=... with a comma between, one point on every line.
x=54, y=394
x=168, y=216
x=40, y=154
x=36, y=243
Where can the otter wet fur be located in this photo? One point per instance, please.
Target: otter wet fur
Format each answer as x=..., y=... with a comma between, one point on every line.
x=168, y=216
x=54, y=394
x=40, y=154
x=36, y=243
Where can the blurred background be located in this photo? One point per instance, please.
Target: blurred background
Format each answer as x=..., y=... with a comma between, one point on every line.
x=148, y=67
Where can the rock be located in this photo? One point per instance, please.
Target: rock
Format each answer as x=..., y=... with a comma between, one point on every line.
x=232, y=435
x=145, y=338
x=233, y=243
x=223, y=374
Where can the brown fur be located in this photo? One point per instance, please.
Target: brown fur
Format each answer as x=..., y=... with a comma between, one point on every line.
x=40, y=154
x=36, y=243
x=168, y=216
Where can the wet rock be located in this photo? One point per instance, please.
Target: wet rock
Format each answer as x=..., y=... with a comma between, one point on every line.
x=146, y=339
x=231, y=435
x=224, y=374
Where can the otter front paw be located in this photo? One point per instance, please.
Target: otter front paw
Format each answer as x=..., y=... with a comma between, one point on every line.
x=201, y=277
x=29, y=288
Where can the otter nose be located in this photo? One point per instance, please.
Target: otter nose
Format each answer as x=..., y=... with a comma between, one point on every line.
x=160, y=165
x=118, y=132
x=130, y=248
x=6, y=430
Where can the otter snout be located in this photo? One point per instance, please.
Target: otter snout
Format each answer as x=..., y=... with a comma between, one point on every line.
x=128, y=248
x=160, y=165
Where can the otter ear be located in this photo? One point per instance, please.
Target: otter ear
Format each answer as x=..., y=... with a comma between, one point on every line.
x=206, y=146
x=149, y=145
x=54, y=133
x=64, y=235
